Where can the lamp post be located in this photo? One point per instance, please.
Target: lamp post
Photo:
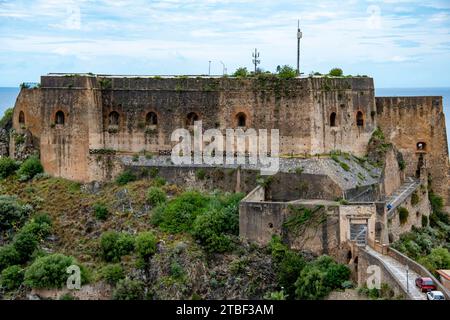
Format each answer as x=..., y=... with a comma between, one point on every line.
x=299, y=36
x=407, y=280
x=209, y=68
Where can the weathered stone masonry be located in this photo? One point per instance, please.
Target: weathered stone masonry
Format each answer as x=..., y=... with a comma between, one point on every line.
x=73, y=117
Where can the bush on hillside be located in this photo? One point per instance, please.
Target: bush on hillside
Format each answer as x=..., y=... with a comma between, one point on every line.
x=11, y=278
x=12, y=212
x=320, y=277
x=25, y=244
x=29, y=168
x=145, y=245
x=156, y=196
x=180, y=213
x=439, y=258
x=125, y=177
x=112, y=273
x=208, y=228
x=8, y=256
x=127, y=289
x=51, y=271
x=114, y=245
x=8, y=167
x=101, y=212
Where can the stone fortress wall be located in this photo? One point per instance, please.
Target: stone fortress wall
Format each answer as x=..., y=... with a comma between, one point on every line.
x=72, y=118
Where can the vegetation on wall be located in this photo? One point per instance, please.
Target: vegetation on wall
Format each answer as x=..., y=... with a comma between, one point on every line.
x=403, y=214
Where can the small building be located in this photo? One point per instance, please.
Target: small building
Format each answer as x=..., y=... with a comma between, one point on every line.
x=444, y=277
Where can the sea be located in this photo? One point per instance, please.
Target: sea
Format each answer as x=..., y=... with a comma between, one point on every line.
x=8, y=97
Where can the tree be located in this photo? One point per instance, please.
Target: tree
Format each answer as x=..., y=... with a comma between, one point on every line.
x=286, y=72
x=240, y=72
x=336, y=72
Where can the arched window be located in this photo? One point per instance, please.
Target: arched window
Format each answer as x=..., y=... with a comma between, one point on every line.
x=191, y=118
x=59, y=117
x=241, y=119
x=151, y=119
x=359, y=119
x=421, y=146
x=21, y=117
x=333, y=119
x=114, y=118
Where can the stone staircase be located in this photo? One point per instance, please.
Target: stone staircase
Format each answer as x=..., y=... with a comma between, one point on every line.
x=401, y=194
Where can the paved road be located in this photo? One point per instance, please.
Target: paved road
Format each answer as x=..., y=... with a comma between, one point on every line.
x=399, y=271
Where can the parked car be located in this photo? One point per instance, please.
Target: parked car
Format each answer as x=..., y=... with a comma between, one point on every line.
x=425, y=284
x=435, y=295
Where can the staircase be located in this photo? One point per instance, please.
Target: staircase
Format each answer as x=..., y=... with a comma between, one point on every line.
x=401, y=194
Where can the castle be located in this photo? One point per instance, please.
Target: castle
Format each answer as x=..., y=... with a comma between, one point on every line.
x=73, y=118
x=359, y=167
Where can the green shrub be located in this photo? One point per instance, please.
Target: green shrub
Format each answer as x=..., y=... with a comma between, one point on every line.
x=8, y=256
x=159, y=181
x=114, y=245
x=29, y=168
x=39, y=227
x=156, y=196
x=286, y=72
x=125, y=177
x=180, y=213
x=127, y=289
x=101, y=212
x=344, y=166
x=439, y=258
x=51, y=271
x=12, y=212
x=424, y=221
x=403, y=214
x=200, y=174
x=25, y=244
x=7, y=167
x=112, y=273
x=347, y=284
x=288, y=270
x=11, y=277
x=208, y=228
x=176, y=270
x=336, y=72
x=276, y=295
x=241, y=72
x=320, y=277
x=311, y=284
x=153, y=173
x=145, y=245
x=414, y=199
x=6, y=120
x=278, y=249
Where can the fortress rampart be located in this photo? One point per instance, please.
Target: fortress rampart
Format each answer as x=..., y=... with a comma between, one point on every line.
x=73, y=117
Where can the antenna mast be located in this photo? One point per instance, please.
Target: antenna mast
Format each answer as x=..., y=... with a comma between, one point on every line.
x=256, y=59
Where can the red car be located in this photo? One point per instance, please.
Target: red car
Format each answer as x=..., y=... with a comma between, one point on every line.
x=425, y=284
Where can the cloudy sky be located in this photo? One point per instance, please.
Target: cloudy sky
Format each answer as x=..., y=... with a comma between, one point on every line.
x=401, y=43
